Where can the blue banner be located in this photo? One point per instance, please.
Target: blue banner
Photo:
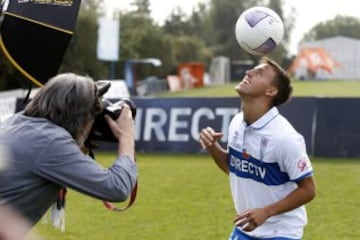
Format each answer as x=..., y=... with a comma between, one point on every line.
x=173, y=124
x=330, y=126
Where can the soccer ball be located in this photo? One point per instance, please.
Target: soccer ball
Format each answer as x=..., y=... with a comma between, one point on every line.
x=259, y=30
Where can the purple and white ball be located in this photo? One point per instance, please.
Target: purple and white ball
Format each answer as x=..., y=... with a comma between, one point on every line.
x=259, y=30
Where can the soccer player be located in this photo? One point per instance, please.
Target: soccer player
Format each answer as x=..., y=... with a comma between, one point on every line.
x=271, y=177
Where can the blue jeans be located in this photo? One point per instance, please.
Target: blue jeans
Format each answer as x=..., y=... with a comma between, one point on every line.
x=239, y=235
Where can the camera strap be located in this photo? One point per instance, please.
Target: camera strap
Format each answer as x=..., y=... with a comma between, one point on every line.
x=112, y=207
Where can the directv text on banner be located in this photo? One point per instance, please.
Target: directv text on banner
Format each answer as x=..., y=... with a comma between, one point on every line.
x=173, y=125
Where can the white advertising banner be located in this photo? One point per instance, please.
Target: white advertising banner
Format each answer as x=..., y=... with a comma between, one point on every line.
x=108, y=40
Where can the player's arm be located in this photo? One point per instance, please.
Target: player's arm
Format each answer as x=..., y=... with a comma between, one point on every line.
x=209, y=140
x=303, y=194
x=298, y=166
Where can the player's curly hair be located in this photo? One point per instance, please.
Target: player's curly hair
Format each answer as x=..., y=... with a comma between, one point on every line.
x=282, y=82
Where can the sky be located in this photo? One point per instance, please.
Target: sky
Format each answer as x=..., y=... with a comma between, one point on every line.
x=308, y=13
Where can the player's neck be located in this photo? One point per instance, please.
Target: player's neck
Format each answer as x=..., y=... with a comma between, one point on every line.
x=253, y=110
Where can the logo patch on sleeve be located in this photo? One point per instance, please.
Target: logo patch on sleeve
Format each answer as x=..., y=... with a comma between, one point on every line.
x=303, y=164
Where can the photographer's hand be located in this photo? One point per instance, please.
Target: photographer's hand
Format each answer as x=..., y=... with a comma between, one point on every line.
x=124, y=130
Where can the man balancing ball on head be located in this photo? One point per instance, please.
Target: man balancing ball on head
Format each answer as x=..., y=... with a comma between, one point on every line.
x=271, y=177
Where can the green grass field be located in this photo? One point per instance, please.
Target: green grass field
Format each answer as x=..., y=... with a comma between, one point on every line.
x=188, y=197
x=331, y=88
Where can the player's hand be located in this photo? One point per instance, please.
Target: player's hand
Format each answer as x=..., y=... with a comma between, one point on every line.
x=251, y=219
x=208, y=137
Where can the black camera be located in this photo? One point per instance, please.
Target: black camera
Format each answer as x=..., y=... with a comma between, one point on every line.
x=100, y=130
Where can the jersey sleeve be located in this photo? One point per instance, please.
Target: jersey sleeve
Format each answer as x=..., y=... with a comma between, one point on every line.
x=64, y=163
x=294, y=157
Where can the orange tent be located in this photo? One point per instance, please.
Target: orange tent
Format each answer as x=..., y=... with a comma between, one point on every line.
x=313, y=59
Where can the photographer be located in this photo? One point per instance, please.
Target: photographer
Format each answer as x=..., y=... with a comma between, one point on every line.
x=45, y=141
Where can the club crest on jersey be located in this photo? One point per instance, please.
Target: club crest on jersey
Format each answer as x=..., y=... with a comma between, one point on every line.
x=302, y=164
x=245, y=154
x=235, y=140
x=263, y=144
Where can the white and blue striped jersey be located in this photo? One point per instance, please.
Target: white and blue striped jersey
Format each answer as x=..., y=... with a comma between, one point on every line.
x=266, y=159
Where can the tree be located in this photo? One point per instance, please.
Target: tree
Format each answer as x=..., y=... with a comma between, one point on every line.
x=141, y=38
x=189, y=35
x=223, y=16
x=142, y=7
x=289, y=21
x=177, y=23
x=189, y=49
x=199, y=22
x=340, y=25
x=81, y=55
x=180, y=24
